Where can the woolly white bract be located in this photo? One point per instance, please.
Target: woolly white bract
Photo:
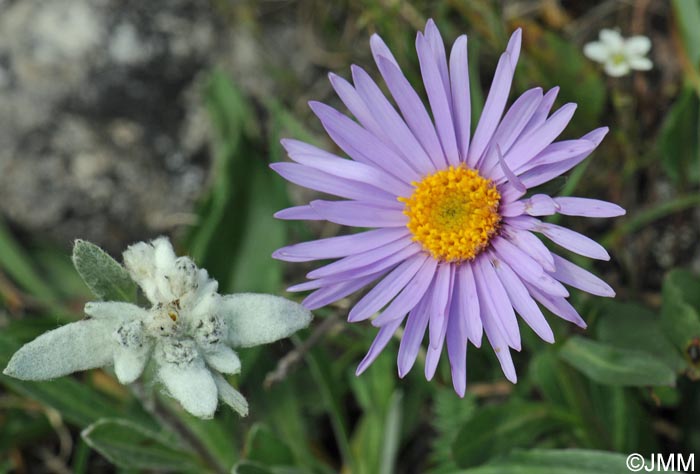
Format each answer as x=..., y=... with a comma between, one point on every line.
x=189, y=332
x=619, y=55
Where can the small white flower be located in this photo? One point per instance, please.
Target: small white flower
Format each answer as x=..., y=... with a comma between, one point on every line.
x=619, y=55
x=189, y=332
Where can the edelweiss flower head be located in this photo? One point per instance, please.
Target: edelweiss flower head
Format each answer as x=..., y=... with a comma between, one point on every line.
x=453, y=245
x=188, y=332
x=619, y=55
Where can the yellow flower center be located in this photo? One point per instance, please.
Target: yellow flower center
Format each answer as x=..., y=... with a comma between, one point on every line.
x=453, y=213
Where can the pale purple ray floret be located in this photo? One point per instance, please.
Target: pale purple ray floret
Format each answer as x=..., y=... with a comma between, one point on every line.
x=421, y=282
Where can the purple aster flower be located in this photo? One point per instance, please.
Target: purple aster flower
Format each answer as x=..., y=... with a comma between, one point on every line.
x=452, y=249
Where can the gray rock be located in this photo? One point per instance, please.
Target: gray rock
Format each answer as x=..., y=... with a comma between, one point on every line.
x=102, y=132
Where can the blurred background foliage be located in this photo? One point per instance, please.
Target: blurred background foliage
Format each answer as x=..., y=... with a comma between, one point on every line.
x=629, y=383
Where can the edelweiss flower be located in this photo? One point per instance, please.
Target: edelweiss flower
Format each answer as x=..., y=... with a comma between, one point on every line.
x=453, y=246
x=188, y=332
x=619, y=55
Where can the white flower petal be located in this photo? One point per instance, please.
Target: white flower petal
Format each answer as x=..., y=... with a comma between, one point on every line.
x=596, y=51
x=223, y=359
x=129, y=362
x=114, y=310
x=612, y=39
x=616, y=69
x=76, y=346
x=231, y=396
x=191, y=383
x=255, y=319
x=637, y=45
x=139, y=260
x=164, y=254
x=640, y=64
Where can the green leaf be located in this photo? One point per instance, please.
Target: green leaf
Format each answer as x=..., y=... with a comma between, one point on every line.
x=254, y=269
x=680, y=315
x=215, y=436
x=613, y=366
x=679, y=138
x=560, y=461
x=105, y=277
x=264, y=446
x=687, y=14
x=392, y=434
x=632, y=326
x=496, y=430
x=18, y=265
x=131, y=446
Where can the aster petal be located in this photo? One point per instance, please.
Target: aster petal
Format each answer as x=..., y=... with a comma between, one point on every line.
x=510, y=128
x=513, y=180
x=223, y=359
x=379, y=48
x=409, y=296
x=596, y=51
x=334, y=292
x=438, y=305
x=432, y=355
x=461, y=100
x=298, y=213
x=362, y=259
x=439, y=97
x=573, y=241
x=387, y=289
x=360, y=214
x=437, y=45
x=494, y=301
x=496, y=100
x=76, y=346
x=557, y=305
x=457, y=347
x=558, y=151
x=383, y=337
x=327, y=183
x=525, y=266
x=231, y=396
x=522, y=301
x=114, y=310
x=414, y=331
x=341, y=246
x=529, y=243
x=573, y=275
x=412, y=109
x=468, y=301
x=395, y=129
x=360, y=144
x=541, y=205
x=529, y=146
x=542, y=111
x=314, y=157
x=353, y=101
x=500, y=346
x=253, y=319
x=637, y=45
x=576, y=206
x=192, y=385
x=544, y=173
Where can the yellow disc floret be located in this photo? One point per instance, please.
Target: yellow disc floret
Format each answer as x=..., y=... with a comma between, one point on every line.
x=453, y=213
